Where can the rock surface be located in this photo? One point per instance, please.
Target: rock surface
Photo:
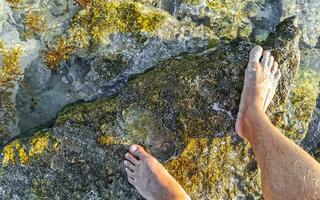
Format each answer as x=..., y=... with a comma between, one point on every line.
x=59, y=52
x=182, y=111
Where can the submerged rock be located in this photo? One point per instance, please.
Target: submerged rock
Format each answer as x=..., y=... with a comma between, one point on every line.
x=182, y=111
x=89, y=48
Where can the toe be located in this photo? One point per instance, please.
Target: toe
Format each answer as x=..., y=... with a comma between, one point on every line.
x=265, y=59
x=131, y=158
x=129, y=165
x=130, y=173
x=270, y=63
x=254, y=68
x=277, y=75
x=137, y=151
x=255, y=54
x=131, y=180
x=274, y=68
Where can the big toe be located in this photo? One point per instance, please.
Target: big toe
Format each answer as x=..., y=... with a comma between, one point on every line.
x=138, y=151
x=256, y=54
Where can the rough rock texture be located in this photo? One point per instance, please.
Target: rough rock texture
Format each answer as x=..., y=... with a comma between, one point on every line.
x=311, y=142
x=75, y=51
x=83, y=50
x=182, y=111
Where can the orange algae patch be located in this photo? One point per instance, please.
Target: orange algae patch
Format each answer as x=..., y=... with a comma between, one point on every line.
x=34, y=23
x=60, y=52
x=10, y=68
x=14, y=3
x=108, y=140
x=82, y=3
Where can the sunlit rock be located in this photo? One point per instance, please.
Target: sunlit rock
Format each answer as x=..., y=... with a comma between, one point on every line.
x=182, y=111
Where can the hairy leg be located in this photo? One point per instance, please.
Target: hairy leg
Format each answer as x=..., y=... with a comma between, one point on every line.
x=287, y=171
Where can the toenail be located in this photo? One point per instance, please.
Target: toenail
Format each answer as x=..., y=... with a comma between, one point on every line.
x=133, y=148
x=125, y=162
x=126, y=155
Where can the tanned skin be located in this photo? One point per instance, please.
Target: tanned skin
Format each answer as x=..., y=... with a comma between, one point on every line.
x=287, y=172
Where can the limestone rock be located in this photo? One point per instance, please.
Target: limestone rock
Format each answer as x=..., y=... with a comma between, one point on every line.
x=182, y=111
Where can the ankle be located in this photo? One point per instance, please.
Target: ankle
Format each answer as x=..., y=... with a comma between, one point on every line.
x=254, y=112
x=249, y=119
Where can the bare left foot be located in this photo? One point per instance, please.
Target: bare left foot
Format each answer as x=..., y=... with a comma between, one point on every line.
x=150, y=178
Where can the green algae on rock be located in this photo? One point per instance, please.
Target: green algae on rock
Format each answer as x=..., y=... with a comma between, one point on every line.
x=20, y=152
x=294, y=116
x=10, y=72
x=94, y=24
x=35, y=23
x=182, y=111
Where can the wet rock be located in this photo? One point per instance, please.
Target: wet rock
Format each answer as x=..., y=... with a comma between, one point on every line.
x=231, y=19
x=311, y=142
x=309, y=18
x=182, y=111
x=90, y=58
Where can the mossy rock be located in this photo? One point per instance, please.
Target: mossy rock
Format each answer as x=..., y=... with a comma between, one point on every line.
x=182, y=111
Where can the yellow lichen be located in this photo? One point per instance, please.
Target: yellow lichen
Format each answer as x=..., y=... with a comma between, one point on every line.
x=99, y=19
x=106, y=140
x=8, y=155
x=21, y=151
x=79, y=37
x=293, y=117
x=192, y=2
x=10, y=68
x=1, y=46
x=208, y=165
x=233, y=17
x=23, y=157
x=38, y=145
x=34, y=23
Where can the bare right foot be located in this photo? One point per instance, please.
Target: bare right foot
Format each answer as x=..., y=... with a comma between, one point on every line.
x=150, y=178
x=261, y=80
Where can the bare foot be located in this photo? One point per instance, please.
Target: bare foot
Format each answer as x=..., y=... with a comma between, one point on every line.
x=150, y=178
x=260, y=83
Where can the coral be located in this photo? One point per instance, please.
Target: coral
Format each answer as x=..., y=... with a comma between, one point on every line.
x=34, y=23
